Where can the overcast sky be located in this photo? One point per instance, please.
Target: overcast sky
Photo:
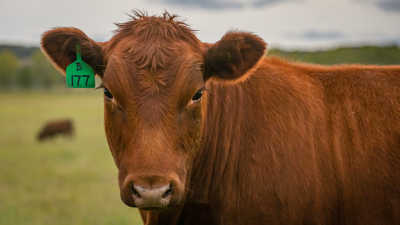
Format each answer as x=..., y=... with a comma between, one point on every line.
x=281, y=23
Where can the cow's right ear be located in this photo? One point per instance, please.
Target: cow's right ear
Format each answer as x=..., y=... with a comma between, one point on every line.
x=59, y=45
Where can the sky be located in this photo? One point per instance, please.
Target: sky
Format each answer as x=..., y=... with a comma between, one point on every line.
x=289, y=24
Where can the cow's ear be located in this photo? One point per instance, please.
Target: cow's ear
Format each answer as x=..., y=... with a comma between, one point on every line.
x=232, y=56
x=59, y=45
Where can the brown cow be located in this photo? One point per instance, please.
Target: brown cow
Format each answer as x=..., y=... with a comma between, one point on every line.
x=55, y=128
x=219, y=134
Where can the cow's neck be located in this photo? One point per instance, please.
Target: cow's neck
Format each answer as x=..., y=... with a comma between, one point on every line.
x=217, y=161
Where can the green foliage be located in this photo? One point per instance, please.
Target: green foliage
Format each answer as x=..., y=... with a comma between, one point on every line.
x=25, y=77
x=63, y=181
x=33, y=70
x=8, y=68
x=44, y=72
x=387, y=55
x=22, y=52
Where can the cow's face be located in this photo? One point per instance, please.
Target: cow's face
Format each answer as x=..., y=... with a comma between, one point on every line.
x=153, y=117
x=154, y=73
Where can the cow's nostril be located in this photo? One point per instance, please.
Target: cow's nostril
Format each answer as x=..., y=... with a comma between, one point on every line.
x=150, y=196
x=168, y=192
x=134, y=191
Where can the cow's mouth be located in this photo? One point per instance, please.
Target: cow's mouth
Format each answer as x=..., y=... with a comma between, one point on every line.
x=159, y=207
x=153, y=208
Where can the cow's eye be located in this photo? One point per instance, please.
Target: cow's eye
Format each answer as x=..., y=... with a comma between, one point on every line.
x=197, y=96
x=107, y=93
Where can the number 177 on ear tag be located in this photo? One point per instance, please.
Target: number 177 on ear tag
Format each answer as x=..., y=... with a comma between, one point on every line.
x=79, y=74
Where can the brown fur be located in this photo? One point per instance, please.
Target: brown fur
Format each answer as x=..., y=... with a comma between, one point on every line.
x=56, y=128
x=270, y=142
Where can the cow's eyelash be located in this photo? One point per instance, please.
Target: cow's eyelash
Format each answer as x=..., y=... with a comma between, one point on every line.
x=107, y=93
x=198, y=95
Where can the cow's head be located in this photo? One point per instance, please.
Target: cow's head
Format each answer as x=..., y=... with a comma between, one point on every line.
x=155, y=73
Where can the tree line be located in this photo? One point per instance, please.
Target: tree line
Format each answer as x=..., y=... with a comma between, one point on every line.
x=32, y=72
x=28, y=68
x=376, y=55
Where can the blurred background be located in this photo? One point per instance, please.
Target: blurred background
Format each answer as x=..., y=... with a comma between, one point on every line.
x=72, y=179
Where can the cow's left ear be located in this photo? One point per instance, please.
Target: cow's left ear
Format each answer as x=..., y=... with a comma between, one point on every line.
x=234, y=55
x=59, y=45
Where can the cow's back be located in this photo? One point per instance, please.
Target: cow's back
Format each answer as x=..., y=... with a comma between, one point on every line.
x=363, y=105
x=297, y=144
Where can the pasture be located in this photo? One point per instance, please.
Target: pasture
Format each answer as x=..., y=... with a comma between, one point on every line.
x=61, y=181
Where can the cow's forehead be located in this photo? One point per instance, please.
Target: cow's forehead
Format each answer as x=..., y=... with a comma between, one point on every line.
x=153, y=56
x=145, y=82
x=159, y=67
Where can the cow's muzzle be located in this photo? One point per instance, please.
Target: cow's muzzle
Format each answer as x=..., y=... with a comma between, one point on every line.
x=148, y=198
x=150, y=192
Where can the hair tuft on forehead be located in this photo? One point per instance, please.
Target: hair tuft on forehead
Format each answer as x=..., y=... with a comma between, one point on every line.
x=151, y=41
x=146, y=27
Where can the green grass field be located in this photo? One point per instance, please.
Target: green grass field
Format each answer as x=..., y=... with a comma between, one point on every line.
x=62, y=181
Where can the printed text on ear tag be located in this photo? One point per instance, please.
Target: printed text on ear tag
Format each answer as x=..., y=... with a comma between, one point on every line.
x=79, y=74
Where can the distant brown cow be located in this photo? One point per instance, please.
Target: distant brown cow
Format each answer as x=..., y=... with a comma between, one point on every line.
x=220, y=134
x=55, y=128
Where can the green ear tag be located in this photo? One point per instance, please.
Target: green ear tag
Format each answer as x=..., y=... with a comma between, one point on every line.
x=79, y=74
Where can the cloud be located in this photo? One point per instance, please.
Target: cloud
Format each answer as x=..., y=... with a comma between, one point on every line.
x=320, y=35
x=389, y=5
x=386, y=5
x=220, y=4
x=204, y=4
x=262, y=3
